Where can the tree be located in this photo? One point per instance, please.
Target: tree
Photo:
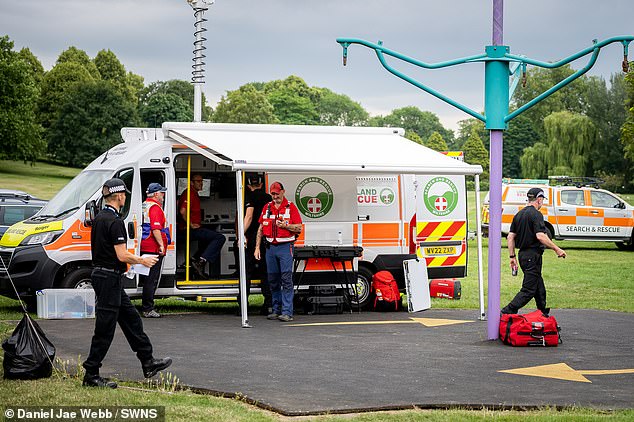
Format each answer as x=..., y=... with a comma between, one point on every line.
x=570, y=138
x=245, y=105
x=112, y=70
x=475, y=153
x=572, y=98
x=165, y=107
x=293, y=101
x=519, y=136
x=465, y=128
x=56, y=87
x=424, y=123
x=182, y=89
x=292, y=109
x=606, y=109
x=413, y=136
x=35, y=66
x=534, y=161
x=627, y=130
x=89, y=123
x=436, y=142
x=20, y=135
x=75, y=55
x=339, y=110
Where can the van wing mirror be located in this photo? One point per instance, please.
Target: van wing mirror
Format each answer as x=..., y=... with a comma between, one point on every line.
x=131, y=230
x=90, y=213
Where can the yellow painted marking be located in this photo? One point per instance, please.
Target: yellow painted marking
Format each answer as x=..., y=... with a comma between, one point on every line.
x=564, y=372
x=427, y=322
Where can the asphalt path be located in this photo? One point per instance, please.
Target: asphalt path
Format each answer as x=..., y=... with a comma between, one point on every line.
x=371, y=361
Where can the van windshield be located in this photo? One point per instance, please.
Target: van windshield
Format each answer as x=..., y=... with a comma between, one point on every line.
x=75, y=194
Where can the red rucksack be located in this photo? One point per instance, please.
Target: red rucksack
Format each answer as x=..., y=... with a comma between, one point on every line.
x=532, y=329
x=386, y=294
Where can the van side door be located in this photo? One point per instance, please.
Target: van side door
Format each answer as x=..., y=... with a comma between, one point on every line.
x=608, y=219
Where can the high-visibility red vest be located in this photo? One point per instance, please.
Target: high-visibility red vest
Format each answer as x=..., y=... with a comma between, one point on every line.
x=287, y=212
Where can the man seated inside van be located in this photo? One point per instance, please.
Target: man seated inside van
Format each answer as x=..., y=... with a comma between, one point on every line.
x=210, y=242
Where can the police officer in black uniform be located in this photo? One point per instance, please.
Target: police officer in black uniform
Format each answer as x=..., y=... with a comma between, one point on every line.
x=528, y=232
x=109, y=258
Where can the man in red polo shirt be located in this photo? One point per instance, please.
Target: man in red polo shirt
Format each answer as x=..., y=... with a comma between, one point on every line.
x=212, y=241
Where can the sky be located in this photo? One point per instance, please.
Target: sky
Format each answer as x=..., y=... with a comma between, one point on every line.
x=258, y=40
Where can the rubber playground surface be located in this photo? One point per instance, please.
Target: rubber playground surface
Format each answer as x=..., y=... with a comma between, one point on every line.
x=372, y=361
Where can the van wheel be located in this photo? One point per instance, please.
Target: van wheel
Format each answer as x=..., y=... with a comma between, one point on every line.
x=77, y=279
x=625, y=246
x=549, y=232
x=363, y=286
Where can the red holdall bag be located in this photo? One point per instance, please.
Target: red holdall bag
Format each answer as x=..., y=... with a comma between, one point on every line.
x=387, y=297
x=532, y=329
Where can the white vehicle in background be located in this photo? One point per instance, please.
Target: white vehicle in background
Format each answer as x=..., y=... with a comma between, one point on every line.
x=576, y=209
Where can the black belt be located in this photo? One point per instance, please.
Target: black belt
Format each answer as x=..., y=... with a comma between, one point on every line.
x=109, y=270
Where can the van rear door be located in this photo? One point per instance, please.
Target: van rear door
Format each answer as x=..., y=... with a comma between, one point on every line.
x=441, y=225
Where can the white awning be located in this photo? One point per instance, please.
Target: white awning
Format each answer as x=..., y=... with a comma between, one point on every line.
x=314, y=149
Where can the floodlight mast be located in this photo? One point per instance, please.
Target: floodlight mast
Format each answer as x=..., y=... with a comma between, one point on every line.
x=497, y=93
x=198, y=72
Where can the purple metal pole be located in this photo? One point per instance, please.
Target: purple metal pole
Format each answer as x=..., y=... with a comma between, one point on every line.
x=495, y=200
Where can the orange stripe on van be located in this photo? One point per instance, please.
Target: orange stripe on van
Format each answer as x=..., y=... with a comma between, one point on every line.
x=566, y=219
x=590, y=212
x=355, y=234
x=507, y=218
x=66, y=239
x=623, y=222
x=302, y=237
x=380, y=232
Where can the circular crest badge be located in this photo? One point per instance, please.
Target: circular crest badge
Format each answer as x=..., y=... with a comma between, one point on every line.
x=314, y=197
x=386, y=196
x=440, y=196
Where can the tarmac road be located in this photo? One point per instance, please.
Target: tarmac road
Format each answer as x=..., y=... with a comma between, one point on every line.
x=380, y=360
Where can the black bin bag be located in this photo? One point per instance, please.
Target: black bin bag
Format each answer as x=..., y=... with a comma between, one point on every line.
x=28, y=354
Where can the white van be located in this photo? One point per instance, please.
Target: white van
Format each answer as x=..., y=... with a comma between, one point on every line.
x=576, y=209
x=368, y=184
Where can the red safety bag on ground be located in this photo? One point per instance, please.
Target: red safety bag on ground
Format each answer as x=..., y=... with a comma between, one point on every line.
x=533, y=329
x=386, y=294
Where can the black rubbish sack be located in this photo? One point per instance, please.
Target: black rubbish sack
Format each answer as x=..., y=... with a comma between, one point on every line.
x=28, y=354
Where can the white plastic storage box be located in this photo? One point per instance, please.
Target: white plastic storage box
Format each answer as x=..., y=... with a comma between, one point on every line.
x=65, y=303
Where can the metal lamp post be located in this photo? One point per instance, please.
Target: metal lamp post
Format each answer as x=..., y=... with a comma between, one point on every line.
x=497, y=93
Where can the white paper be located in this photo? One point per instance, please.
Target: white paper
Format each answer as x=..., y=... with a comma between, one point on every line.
x=140, y=268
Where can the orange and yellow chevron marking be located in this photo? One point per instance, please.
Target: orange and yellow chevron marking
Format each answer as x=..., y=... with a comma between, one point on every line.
x=441, y=230
x=448, y=261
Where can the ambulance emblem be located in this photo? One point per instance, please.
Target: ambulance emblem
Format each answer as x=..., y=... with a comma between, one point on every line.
x=314, y=197
x=440, y=196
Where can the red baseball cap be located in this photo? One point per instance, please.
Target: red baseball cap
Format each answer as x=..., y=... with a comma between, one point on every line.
x=276, y=187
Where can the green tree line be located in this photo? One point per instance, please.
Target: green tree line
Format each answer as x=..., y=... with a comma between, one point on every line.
x=73, y=112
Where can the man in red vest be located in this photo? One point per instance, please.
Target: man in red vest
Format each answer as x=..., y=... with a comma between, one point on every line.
x=154, y=241
x=280, y=223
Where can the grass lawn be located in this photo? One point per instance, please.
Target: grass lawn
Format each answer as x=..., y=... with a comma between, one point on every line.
x=595, y=275
x=40, y=179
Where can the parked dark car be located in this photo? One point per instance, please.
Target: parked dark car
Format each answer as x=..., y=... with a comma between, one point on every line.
x=16, y=206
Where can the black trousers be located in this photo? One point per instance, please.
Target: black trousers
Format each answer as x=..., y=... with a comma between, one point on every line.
x=530, y=261
x=150, y=283
x=114, y=306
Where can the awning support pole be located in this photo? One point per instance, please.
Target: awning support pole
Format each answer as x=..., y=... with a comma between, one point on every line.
x=244, y=305
x=479, y=237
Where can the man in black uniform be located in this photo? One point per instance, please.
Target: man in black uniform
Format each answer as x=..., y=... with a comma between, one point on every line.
x=528, y=232
x=255, y=200
x=109, y=259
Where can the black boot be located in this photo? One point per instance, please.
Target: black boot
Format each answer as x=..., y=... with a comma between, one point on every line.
x=91, y=380
x=153, y=366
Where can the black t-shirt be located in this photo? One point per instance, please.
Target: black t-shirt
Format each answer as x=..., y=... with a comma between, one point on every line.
x=107, y=230
x=526, y=224
x=256, y=199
